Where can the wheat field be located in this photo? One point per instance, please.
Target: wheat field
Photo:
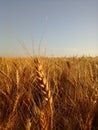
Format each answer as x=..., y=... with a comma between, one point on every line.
x=41, y=93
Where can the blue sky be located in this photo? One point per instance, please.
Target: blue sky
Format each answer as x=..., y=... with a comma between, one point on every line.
x=63, y=27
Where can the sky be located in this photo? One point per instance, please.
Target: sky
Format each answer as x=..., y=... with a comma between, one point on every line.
x=51, y=27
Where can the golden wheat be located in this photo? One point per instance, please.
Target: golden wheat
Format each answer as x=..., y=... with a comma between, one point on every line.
x=47, y=96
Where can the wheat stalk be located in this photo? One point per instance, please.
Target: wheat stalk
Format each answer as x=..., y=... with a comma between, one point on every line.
x=17, y=98
x=46, y=92
x=28, y=124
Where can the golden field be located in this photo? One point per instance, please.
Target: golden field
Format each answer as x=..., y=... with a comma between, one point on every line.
x=39, y=93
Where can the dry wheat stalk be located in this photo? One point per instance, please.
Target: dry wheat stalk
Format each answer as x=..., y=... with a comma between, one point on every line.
x=17, y=78
x=47, y=96
x=10, y=123
x=17, y=94
x=90, y=71
x=28, y=124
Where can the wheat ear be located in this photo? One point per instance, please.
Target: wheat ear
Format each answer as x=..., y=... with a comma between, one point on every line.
x=17, y=97
x=47, y=97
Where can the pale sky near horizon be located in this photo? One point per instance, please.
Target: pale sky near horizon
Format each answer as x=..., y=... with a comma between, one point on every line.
x=63, y=27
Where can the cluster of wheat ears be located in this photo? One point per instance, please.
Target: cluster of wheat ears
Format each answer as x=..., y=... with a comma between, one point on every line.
x=48, y=93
